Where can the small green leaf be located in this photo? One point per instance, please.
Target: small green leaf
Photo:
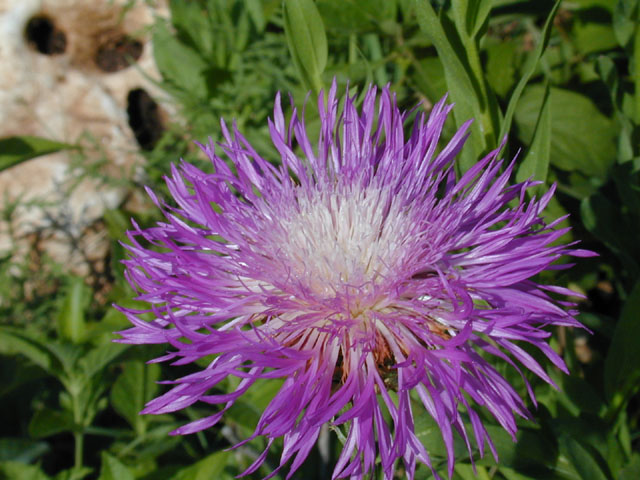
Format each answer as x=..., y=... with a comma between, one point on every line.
x=307, y=40
x=14, y=150
x=71, y=320
x=99, y=357
x=14, y=341
x=207, y=469
x=114, y=469
x=622, y=365
x=536, y=161
x=21, y=449
x=133, y=388
x=47, y=422
x=20, y=471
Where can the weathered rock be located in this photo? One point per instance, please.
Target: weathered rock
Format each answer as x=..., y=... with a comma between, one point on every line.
x=66, y=74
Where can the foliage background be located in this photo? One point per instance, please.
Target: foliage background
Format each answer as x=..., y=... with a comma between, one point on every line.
x=560, y=78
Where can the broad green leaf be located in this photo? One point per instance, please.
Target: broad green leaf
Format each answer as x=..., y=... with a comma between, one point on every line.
x=191, y=20
x=74, y=473
x=47, y=422
x=114, y=469
x=18, y=149
x=20, y=471
x=622, y=365
x=71, y=320
x=207, y=469
x=582, y=459
x=582, y=138
x=21, y=449
x=307, y=40
x=536, y=161
x=179, y=65
x=133, y=388
x=501, y=69
x=528, y=70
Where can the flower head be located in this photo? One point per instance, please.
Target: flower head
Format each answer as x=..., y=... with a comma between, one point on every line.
x=362, y=273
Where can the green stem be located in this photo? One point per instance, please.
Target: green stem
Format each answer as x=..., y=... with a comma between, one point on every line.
x=78, y=438
x=78, y=435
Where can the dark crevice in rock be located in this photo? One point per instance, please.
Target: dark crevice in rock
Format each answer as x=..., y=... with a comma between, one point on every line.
x=43, y=35
x=117, y=54
x=144, y=118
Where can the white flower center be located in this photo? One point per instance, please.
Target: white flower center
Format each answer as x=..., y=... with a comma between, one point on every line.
x=344, y=243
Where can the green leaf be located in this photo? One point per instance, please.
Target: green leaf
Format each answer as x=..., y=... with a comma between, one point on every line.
x=47, y=422
x=529, y=69
x=631, y=471
x=464, y=88
x=14, y=150
x=470, y=15
x=622, y=365
x=307, y=40
x=501, y=68
x=14, y=341
x=209, y=468
x=71, y=320
x=625, y=20
x=582, y=459
x=99, y=357
x=114, y=469
x=20, y=471
x=582, y=138
x=21, y=449
x=179, y=65
x=536, y=161
x=133, y=388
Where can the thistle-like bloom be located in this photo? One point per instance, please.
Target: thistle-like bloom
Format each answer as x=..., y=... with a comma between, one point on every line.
x=362, y=273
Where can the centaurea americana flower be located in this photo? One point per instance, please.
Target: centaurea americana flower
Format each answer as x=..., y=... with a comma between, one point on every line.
x=362, y=273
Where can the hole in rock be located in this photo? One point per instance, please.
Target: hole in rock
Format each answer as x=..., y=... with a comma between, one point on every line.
x=144, y=118
x=43, y=35
x=118, y=53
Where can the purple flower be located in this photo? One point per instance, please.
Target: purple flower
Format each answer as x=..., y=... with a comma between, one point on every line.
x=362, y=273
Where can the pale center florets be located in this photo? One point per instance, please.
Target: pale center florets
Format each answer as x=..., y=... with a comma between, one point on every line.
x=345, y=244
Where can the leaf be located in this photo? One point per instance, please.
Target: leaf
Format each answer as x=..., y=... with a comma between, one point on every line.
x=307, y=40
x=114, y=469
x=133, y=388
x=47, y=422
x=582, y=138
x=209, y=468
x=463, y=87
x=21, y=449
x=622, y=365
x=501, y=69
x=631, y=471
x=99, y=357
x=14, y=341
x=529, y=69
x=536, y=162
x=20, y=471
x=18, y=149
x=470, y=15
x=581, y=459
x=71, y=320
x=179, y=65
x=624, y=20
